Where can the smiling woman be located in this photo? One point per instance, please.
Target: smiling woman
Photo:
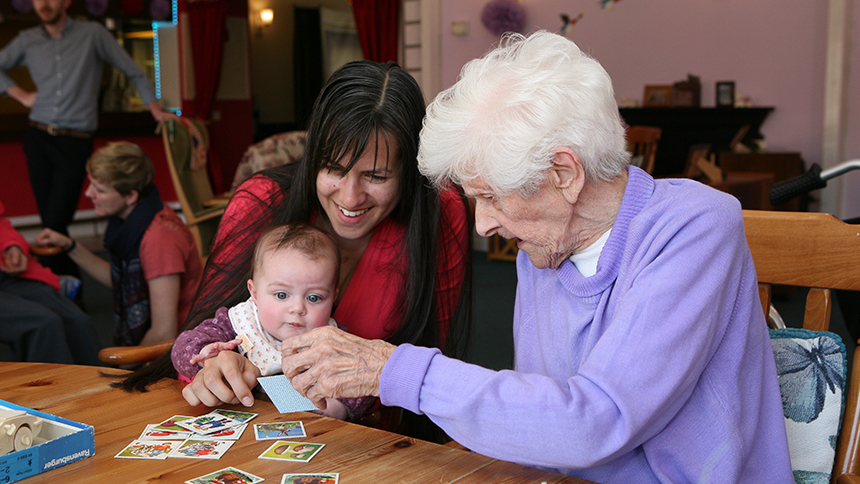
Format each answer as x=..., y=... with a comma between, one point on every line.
x=405, y=253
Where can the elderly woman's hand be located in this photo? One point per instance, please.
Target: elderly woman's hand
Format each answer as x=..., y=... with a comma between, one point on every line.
x=329, y=363
x=227, y=378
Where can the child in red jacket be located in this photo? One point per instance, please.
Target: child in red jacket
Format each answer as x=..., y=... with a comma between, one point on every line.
x=38, y=322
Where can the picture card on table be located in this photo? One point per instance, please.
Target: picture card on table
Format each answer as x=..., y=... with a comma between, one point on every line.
x=227, y=474
x=327, y=478
x=209, y=423
x=152, y=432
x=148, y=449
x=279, y=430
x=284, y=396
x=202, y=449
x=243, y=417
x=291, y=451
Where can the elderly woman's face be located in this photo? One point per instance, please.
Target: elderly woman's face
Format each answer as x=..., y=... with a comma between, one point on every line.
x=540, y=222
x=355, y=202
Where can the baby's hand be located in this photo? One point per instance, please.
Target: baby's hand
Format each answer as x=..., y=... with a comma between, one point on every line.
x=212, y=349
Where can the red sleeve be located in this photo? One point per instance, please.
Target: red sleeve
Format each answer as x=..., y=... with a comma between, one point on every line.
x=35, y=271
x=253, y=198
x=452, y=257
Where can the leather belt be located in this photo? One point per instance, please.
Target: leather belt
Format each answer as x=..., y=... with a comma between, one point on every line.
x=54, y=130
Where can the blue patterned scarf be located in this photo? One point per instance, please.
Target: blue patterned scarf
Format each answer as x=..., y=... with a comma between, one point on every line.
x=130, y=291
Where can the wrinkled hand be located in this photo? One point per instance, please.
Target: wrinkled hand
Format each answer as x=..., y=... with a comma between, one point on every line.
x=213, y=349
x=49, y=237
x=227, y=378
x=14, y=261
x=329, y=363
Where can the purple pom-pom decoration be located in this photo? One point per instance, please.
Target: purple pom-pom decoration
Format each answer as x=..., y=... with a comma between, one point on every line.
x=22, y=6
x=96, y=8
x=500, y=16
x=160, y=9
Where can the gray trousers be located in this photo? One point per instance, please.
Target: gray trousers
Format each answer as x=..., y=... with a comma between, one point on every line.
x=42, y=325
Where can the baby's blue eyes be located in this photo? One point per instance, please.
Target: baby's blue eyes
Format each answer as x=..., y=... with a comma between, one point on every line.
x=314, y=298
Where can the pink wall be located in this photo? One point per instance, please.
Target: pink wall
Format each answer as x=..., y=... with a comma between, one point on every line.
x=774, y=53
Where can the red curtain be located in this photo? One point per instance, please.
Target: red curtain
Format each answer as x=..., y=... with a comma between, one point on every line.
x=376, y=22
x=208, y=31
x=206, y=20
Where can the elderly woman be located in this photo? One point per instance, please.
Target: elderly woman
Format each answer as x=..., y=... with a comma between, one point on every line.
x=641, y=348
x=154, y=267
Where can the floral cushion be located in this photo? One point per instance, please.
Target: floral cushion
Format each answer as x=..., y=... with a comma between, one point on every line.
x=812, y=368
x=275, y=150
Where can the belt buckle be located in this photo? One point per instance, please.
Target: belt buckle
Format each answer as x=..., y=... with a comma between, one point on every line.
x=53, y=129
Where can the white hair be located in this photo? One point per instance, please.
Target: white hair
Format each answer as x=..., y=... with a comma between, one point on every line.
x=511, y=108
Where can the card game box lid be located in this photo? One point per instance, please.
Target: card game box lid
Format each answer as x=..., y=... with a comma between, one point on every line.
x=58, y=442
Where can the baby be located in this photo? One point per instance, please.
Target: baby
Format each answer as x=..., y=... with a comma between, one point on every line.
x=293, y=286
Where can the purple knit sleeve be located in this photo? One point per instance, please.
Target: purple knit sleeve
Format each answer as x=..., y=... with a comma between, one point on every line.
x=189, y=343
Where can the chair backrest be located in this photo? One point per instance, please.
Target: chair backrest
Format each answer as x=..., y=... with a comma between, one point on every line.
x=642, y=141
x=820, y=252
x=192, y=185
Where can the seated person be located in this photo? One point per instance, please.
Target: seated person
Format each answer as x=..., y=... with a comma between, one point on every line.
x=641, y=350
x=293, y=287
x=38, y=322
x=154, y=267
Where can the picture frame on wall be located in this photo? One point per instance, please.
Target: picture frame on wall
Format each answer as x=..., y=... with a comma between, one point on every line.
x=657, y=95
x=726, y=94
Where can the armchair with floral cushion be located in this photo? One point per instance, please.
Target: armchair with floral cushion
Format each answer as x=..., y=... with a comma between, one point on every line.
x=275, y=150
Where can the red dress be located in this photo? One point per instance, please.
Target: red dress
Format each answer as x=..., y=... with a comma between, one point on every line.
x=371, y=305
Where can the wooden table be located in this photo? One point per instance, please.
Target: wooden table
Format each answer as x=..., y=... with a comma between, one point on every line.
x=359, y=454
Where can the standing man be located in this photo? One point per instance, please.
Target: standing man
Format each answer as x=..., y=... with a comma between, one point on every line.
x=64, y=57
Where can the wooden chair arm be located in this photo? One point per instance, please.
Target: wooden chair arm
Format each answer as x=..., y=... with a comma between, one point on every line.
x=130, y=355
x=49, y=250
x=847, y=465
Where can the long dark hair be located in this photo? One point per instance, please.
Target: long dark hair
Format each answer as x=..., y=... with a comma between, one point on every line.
x=362, y=102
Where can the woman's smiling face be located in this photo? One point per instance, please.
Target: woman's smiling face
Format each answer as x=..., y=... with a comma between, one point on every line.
x=356, y=201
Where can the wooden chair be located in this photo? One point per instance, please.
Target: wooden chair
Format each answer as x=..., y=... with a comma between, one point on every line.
x=642, y=142
x=201, y=208
x=133, y=355
x=817, y=251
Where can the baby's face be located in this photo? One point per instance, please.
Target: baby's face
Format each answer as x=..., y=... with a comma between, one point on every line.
x=294, y=294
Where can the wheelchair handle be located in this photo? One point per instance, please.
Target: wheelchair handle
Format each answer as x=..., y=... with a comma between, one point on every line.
x=813, y=179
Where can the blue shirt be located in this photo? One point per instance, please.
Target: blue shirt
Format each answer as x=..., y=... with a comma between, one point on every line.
x=68, y=71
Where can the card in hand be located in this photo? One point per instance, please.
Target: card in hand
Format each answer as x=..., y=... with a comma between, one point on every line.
x=328, y=478
x=291, y=451
x=284, y=396
x=202, y=449
x=225, y=475
x=279, y=430
x=209, y=423
x=148, y=449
